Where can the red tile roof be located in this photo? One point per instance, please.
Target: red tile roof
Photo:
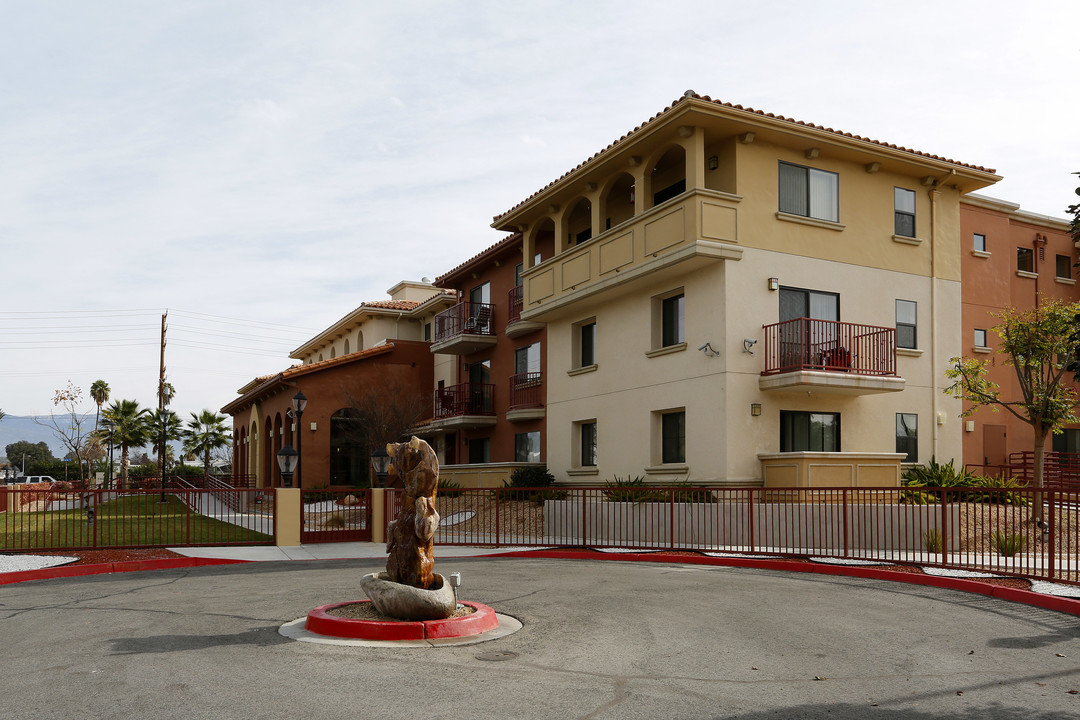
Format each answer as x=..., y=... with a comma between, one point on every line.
x=507, y=241
x=690, y=94
x=391, y=304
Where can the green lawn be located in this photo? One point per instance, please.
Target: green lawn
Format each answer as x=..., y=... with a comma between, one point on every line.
x=132, y=520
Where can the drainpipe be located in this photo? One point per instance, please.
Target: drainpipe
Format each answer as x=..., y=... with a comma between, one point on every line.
x=935, y=385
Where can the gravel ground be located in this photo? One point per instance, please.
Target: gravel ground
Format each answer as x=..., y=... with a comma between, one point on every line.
x=17, y=562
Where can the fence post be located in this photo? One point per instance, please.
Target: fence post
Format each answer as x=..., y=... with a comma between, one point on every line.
x=752, y=524
x=1051, y=543
x=497, y=498
x=377, y=514
x=944, y=527
x=288, y=510
x=671, y=518
x=846, y=527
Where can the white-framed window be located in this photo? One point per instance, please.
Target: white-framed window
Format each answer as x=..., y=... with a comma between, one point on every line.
x=978, y=243
x=527, y=446
x=980, y=338
x=809, y=192
x=904, y=212
x=907, y=317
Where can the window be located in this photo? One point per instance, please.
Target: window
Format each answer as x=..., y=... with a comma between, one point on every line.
x=1025, y=259
x=906, y=324
x=427, y=332
x=980, y=338
x=527, y=359
x=979, y=243
x=809, y=431
x=1064, y=266
x=907, y=436
x=904, y=212
x=481, y=294
x=1067, y=442
x=673, y=437
x=809, y=192
x=587, y=434
x=480, y=450
x=672, y=320
x=585, y=335
x=527, y=447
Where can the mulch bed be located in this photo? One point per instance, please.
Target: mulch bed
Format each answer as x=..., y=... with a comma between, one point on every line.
x=96, y=557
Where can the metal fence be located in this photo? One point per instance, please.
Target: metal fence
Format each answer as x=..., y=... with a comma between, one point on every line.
x=336, y=515
x=40, y=517
x=968, y=528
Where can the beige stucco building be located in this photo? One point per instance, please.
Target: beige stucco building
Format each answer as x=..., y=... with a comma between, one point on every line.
x=735, y=297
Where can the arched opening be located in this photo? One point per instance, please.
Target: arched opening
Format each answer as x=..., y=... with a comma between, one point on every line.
x=277, y=445
x=669, y=175
x=333, y=352
x=543, y=241
x=349, y=455
x=346, y=352
x=359, y=340
x=269, y=461
x=618, y=204
x=252, y=454
x=579, y=223
x=320, y=357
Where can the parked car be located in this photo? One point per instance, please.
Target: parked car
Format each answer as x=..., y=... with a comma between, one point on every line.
x=31, y=480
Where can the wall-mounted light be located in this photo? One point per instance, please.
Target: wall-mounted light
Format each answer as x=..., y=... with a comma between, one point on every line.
x=632, y=196
x=969, y=426
x=755, y=409
x=774, y=283
x=714, y=162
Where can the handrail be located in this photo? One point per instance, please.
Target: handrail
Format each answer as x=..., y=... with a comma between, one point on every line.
x=829, y=346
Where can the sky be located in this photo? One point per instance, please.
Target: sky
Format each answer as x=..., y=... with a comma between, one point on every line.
x=259, y=169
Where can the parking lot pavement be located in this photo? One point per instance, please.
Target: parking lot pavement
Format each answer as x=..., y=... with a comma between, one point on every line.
x=600, y=640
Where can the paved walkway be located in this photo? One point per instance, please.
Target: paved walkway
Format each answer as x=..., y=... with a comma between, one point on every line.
x=600, y=640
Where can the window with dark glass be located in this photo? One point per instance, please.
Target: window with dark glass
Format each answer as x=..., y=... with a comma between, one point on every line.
x=673, y=437
x=1068, y=441
x=527, y=359
x=809, y=431
x=904, y=212
x=527, y=447
x=673, y=190
x=979, y=242
x=427, y=332
x=809, y=192
x=480, y=450
x=673, y=321
x=1064, y=266
x=906, y=323
x=907, y=436
x=980, y=338
x=588, y=344
x=588, y=444
x=1025, y=259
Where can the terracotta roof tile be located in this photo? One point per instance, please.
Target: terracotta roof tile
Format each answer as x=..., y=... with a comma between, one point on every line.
x=391, y=304
x=693, y=95
x=505, y=242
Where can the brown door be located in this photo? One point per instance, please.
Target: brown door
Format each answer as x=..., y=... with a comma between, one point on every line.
x=994, y=445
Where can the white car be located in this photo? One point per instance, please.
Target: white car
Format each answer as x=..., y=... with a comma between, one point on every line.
x=31, y=480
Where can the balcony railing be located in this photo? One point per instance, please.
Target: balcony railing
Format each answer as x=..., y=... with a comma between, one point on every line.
x=829, y=346
x=525, y=391
x=465, y=318
x=514, y=300
x=464, y=399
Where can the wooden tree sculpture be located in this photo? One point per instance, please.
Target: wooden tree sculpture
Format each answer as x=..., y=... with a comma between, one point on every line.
x=409, y=537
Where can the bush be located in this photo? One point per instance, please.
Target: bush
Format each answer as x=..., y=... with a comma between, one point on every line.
x=931, y=540
x=449, y=488
x=936, y=475
x=1007, y=543
x=531, y=477
x=319, y=493
x=634, y=489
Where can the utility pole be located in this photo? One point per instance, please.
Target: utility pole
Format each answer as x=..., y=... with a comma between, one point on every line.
x=161, y=406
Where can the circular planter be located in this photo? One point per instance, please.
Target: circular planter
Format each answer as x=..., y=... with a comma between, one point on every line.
x=321, y=622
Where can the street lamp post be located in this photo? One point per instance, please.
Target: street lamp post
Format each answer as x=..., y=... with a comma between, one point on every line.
x=380, y=463
x=299, y=402
x=288, y=462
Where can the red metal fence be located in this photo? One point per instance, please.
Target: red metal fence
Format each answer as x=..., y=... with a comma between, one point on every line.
x=969, y=528
x=526, y=390
x=830, y=346
x=336, y=515
x=1061, y=470
x=464, y=399
x=40, y=517
x=515, y=300
x=465, y=318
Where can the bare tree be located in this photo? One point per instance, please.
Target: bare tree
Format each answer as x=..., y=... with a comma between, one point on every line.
x=71, y=427
x=381, y=412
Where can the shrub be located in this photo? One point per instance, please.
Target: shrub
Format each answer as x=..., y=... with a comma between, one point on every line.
x=632, y=490
x=449, y=488
x=931, y=540
x=536, y=496
x=531, y=477
x=1007, y=543
x=936, y=475
x=319, y=493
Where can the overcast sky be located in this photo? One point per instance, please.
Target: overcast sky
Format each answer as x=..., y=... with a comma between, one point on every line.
x=261, y=168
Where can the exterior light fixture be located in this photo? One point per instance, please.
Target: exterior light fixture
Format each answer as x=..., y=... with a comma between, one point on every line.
x=299, y=402
x=714, y=162
x=288, y=462
x=380, y=463
x=755, y=409
x=774, y=283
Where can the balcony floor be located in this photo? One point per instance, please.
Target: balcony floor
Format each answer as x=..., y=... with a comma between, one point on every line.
x=836, y=383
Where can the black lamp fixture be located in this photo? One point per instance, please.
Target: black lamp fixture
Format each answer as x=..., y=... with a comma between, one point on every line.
x=288, y=462
x=380, y=463
x=299, y=402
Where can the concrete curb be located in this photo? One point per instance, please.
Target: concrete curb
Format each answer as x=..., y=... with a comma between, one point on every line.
x=64, y=571
x=1048, y=602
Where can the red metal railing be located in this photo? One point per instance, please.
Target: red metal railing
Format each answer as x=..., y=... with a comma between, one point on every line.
x=58, y=518
x=526, y=390
x=966, y=528
x=465, y=399
x=336, y=515
x=465, y=318
x=1060, y=470
x=515, y=300
x=830, y=346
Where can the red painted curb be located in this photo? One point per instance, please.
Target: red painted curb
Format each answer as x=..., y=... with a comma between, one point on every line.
x=64, y=571
x=1070, y=606
x=319, y=621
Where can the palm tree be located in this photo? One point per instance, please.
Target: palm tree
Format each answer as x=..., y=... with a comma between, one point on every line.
x=1, y=414
x=99, y=391
x=128, y=425
x=205, y=433
x=174, y=430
